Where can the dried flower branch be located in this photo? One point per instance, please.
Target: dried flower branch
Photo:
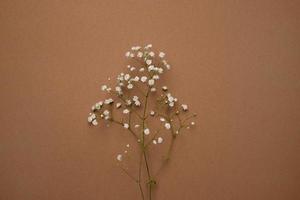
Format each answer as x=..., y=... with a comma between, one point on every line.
x=130, y=98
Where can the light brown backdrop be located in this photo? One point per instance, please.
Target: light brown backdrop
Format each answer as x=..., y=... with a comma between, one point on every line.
x=236, y=62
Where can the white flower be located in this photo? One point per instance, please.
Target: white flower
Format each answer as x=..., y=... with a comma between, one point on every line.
x=125, y=125
x=140, y=54
x=98, y=105
x=126, y=111
x=136, y=78
x=127, y=54
x=128, y=66
x=128, y=102
x=151, y=82
x=132, y=68
x=135, y=48
x=168, y=66
x=91, y=117
x=153, y=89
x=184, y=107
x=152, y=113
x=162, y=119
x=94, y=122
x=160, y=140
x=171, y=104
x=127, y=77
x=155, y=77
x=130, y=86
x=154, y=142
x=193, y=123
x=152, y=54
x=127, y=145
x=143, y=79
x=135, y=98
x=108, y=101
x=148, y=62
x=118, y=89
x=151, y=68
x=119, y=157
x=160, y=70
x=161, y=54
x=104, y=87
x=131, y=55
x=142, y=69
x=165, y=88
x=106, y=112
x=148, y=46
x=137, y=103
x=146, y=131
x=167, y=125
x=118, y=105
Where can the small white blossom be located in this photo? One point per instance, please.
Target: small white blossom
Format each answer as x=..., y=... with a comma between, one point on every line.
x=108, y=101
x=143, y=79
x=142, y=69
x=184, y=107
x=140, y=54
x=161, y=54
x=151, y=68
x=104, y=87
x=162, y=119
x=127, y=54
x=127, y=145
x=118, y=105
x=132, y=55
x=128, y=102
x=153, y=89
x=146, y=131
x=152, y=113
x=148, y=62
x=91, y=117
x=160, y=140
x=118, y=89
x=154, y=142
x=160, y=70
x=136, y=78
x=152, y=54
x=135, y=98
x=148, y=46
x=94, y=122
x=151, y=82
x=132, y=68
x=137, y=103
x=127, y=77
x=167, y=125
x=165, y=88
x=193, y=123
x=125, y=125
x=130, y=86
x=119, y=157
x=126, y=111
x=155, y=77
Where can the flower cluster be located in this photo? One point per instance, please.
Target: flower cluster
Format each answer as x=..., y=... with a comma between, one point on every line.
x=128, y=104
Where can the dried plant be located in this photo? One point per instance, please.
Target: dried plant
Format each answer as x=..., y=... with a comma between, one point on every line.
x=135, y=102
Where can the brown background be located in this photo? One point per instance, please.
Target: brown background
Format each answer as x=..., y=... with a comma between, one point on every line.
x=236, y=62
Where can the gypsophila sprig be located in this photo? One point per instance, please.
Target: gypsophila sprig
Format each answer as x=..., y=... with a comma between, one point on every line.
x=128, y=105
